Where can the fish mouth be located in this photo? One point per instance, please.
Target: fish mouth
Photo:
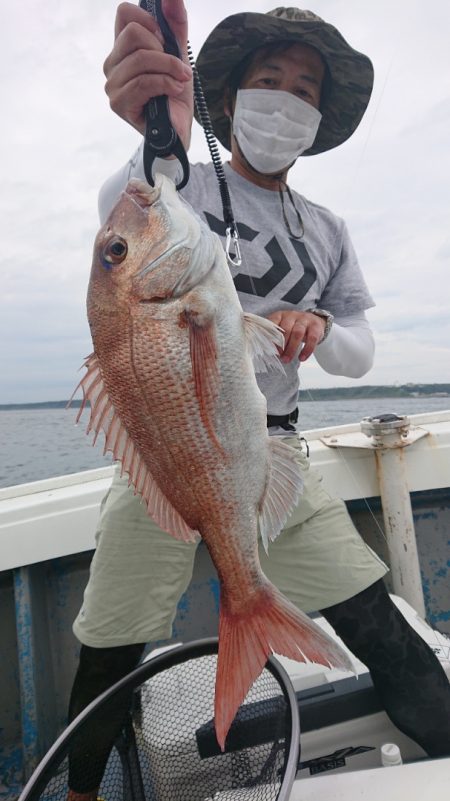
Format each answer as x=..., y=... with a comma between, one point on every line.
x=142, y=195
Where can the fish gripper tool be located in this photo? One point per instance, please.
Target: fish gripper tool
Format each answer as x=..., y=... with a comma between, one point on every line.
x=161, y=139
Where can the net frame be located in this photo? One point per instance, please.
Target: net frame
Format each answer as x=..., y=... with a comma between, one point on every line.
x=133, y=789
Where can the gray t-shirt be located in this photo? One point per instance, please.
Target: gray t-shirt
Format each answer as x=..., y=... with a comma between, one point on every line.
x=279, y=271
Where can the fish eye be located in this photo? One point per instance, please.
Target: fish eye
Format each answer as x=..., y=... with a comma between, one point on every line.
x=114, y=251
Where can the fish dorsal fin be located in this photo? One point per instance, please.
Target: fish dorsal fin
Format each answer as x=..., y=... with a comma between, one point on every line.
x=283, y=489
x=263, y=339
x=105, y=419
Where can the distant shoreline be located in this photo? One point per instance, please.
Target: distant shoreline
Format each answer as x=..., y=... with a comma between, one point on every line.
x=12, y=407
x=329, y=393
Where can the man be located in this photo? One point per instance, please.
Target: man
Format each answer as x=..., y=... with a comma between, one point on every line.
x=278, y=85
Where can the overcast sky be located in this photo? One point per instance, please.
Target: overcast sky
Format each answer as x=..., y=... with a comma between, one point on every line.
x=60, y=141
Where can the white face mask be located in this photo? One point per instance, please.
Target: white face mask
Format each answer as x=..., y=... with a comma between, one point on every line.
x=273, y=127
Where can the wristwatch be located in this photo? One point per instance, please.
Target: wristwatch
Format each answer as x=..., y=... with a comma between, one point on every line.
x=327, y=316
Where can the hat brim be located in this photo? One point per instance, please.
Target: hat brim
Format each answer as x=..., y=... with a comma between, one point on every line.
x=351, y=72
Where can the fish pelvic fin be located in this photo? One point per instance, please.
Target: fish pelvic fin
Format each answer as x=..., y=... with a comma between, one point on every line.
x=271, y=624
x=104, y=419
x=263, y=340
x=284, y=487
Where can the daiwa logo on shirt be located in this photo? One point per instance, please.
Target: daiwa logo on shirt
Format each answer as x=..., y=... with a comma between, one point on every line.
x=279, y=268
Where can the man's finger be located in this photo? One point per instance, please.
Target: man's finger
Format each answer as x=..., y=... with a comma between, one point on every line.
x=128, y=101
x=132, y=39
x=312, y=339
x=144, y=63
x=275, y=317
x=130, y=12
x=176, y=16
x=294, y=338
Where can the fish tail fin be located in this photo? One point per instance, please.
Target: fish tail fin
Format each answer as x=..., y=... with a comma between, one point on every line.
x=271, y=624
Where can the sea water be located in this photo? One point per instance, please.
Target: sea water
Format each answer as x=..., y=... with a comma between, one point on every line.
x=40, y=443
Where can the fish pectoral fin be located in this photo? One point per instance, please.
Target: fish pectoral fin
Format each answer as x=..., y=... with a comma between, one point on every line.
x=205, y=372
x=104, y=419
x=263, y=339
x=203, y=351
x=283, y=490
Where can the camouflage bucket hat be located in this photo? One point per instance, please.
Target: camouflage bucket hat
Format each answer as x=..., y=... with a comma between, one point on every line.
x=349, y=84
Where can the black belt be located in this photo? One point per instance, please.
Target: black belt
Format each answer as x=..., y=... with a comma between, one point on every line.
x=283, y=420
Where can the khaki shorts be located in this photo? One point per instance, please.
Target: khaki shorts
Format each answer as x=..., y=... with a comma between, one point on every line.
x=139, y=572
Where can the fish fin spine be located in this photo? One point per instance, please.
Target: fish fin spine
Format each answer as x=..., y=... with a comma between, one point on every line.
x=104, y=419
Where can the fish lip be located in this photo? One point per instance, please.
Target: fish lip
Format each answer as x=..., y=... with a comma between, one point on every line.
x=133, y=192
x=143, y=209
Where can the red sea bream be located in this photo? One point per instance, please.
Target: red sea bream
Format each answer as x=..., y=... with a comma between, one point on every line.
x=172, y=385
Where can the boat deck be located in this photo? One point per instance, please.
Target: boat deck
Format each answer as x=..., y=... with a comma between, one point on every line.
x=46, y=543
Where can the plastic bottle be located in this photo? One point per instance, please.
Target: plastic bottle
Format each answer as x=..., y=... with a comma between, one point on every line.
x=390, y=755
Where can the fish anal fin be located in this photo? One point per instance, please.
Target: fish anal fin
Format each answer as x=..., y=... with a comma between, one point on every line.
x=263, y=340
x=271, y=625
x=283, y=490
x=104, y=419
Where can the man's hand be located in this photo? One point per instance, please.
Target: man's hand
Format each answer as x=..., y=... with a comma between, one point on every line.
x=299, y=327
x=138, y=68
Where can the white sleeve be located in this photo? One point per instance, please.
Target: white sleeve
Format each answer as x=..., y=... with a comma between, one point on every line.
x=134, y=168
x=349, y=348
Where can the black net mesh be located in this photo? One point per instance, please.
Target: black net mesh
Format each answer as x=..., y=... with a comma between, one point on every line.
x=167, y=747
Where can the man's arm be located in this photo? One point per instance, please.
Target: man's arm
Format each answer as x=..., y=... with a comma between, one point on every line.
x=349, y=348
